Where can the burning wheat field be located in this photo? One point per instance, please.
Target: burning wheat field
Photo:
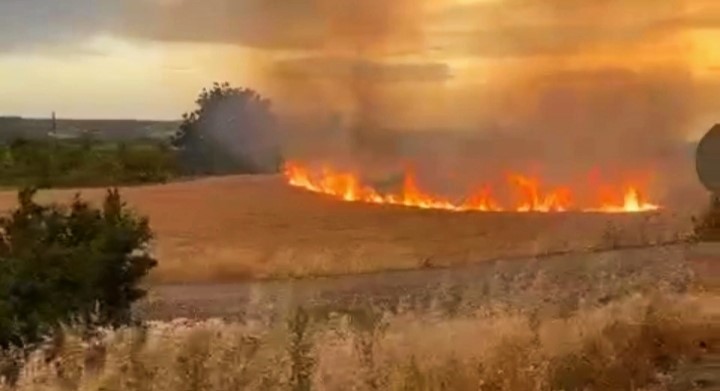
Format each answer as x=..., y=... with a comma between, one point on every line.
x=308, y=223
x=347, y=186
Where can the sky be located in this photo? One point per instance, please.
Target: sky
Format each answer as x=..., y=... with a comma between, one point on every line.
x=433, y=63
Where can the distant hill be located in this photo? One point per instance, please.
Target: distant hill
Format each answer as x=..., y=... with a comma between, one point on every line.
x=109, y=130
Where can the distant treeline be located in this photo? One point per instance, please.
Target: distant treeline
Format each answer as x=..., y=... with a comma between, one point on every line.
x=85, y=162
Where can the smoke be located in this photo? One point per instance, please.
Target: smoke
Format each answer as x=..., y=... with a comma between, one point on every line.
x=356, y=73
x=568, y=86
x=476, y=87
x=242, y=127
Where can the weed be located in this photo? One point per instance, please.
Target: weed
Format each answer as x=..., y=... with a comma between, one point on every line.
x=706, y=228
x=639, y=342
x=300, y=351
x=611, y=237
x=369, y=326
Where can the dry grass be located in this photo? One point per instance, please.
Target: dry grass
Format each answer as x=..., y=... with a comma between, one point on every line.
x=240, y=227
x=641, y=342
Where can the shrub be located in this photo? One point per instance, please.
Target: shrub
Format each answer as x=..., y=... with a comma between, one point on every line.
x=61, y=264
x=707, y=227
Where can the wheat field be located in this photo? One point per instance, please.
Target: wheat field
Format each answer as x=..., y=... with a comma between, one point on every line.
x=232, y=228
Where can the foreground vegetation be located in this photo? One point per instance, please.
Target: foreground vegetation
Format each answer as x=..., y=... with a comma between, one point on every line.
x=69, y=263
x=649, y=342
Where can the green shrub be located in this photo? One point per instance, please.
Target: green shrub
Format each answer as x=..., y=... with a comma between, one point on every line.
x=62, y=264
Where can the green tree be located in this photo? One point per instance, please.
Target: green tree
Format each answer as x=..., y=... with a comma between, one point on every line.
x=65, y=263
x=231, y=131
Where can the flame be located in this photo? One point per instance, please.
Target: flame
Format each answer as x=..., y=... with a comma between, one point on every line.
x=481, y=200
x=557, y=200
x=632, y=203
x=347, y=186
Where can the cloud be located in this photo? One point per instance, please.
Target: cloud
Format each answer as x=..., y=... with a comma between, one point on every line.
x=521, y=28
x=27, y=24
x=507, y=28
x=367, y=26
x=257, y=23
x=253, y=23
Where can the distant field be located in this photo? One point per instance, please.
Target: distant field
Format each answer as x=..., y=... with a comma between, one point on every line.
x=223, y=229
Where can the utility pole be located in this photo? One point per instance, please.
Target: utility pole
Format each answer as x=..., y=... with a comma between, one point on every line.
x=53, y=125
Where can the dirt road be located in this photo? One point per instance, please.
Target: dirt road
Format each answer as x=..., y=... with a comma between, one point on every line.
x=554, y=284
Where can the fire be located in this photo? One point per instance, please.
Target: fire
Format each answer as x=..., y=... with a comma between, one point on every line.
x=557, y=200
x=347, y=186
x=633, y=203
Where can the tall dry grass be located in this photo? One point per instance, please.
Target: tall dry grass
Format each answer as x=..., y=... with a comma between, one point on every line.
x=650, y=341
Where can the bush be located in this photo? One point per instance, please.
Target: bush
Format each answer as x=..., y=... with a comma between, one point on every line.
x=62, y=264
x=707, y=227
